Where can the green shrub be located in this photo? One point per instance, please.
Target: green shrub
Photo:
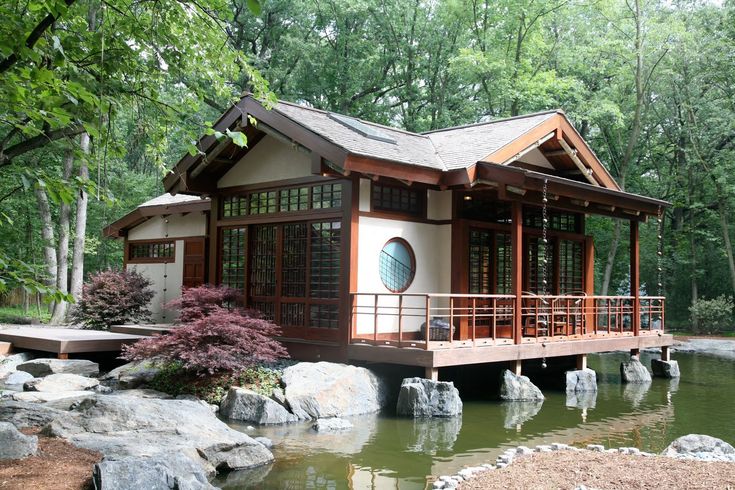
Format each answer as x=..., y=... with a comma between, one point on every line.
x=175, y=380
x=711, y=316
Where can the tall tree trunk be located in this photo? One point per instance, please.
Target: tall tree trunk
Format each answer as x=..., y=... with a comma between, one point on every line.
x=80, y=228
x=47, y=232
x=725, y=225
x=62, y=252
x=635, y=131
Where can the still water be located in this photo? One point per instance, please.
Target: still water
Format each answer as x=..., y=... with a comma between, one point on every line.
x=383, y=451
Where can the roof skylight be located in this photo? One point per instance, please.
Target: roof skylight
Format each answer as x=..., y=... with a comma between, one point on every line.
x=362, y=128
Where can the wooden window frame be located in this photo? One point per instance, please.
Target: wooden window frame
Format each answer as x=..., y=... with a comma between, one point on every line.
x=421, y=196
x=129, y=259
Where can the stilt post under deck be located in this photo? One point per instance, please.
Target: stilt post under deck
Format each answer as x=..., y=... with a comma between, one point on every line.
x=516, y=240
x=515, y=367
x=665, y=353
x=635, y=353
x=431, y=373
x=62, y=355
x=635, y=280
x=581, y=361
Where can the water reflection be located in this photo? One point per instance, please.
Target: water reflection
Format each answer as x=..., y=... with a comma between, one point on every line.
x=389, y=452
x=583, y=400
x=430, y=436
x=518, y=413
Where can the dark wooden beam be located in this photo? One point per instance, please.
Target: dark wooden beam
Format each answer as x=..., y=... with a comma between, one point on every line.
x=635, y=281
x=516, y=240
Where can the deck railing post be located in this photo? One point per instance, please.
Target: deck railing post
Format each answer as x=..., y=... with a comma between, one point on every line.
x=516, y=241
x=474, y=315
x=353, y=316
x=375, y=319
x=451, y=319
x=400, y=319
x=428, y=321
x=635, y=287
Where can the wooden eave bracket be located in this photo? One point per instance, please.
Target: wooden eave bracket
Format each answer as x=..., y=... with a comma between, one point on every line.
x=587, y=172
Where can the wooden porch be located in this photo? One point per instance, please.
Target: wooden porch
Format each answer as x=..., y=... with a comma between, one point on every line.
x=435, y=330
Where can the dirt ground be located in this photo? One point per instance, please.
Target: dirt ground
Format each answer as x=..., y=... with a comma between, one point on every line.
x=57, y=466
x=604, y=471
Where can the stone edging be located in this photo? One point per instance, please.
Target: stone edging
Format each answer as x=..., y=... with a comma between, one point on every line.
x=510, y=455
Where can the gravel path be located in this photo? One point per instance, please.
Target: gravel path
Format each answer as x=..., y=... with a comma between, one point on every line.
x=604, y=471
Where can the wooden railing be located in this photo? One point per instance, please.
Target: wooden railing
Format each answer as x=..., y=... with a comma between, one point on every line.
x=456, y=320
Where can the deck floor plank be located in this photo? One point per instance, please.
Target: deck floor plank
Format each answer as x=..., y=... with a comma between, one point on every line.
x=66, y=340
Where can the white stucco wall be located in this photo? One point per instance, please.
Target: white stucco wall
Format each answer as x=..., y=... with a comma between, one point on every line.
x=193, y=224
x=270, y=160
x=431, y=245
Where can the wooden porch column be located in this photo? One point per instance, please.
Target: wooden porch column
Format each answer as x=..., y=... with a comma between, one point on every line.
x=581, y=361
x=516, y=367
x=431, y=373
x=589, y=285
x=635, y=280
x=665, y=353
x=516, y=240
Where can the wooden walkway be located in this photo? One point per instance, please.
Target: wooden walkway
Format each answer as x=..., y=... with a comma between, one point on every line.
x=65, y=341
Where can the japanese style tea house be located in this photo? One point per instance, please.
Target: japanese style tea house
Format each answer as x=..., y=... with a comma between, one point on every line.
x=368, y=243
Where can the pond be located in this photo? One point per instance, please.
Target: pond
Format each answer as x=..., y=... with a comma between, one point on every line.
x=383, y=451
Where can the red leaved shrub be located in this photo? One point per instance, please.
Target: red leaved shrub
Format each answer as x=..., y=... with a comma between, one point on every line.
x=196, y=303
x=216, y=336
x=112, y=298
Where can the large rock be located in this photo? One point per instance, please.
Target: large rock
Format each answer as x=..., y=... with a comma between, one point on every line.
x=701, y=447
x=518, y=388
x=634, y=371
x=665, y=369
x=421, y=397
x=8, y=364
x=131, y=375
x=161, y=472
x=581, y=380
x=325, y=389
x=16, y=445
x=331, y=425
x=17, y=379
x=127, y=426
x=249, y=406
x=62, y=400
x=58, y=383
x=44, y=367
x=24, y=414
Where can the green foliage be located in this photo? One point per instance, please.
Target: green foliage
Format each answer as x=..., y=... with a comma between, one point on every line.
x=16, y=314
x=175, y=380
x=712, y=315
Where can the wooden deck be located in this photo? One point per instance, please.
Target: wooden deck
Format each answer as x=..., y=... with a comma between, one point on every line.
x=145, y=330
x=65, y=341
x=457, y=356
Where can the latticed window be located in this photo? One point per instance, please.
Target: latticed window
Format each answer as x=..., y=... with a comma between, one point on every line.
x=480, y=273
x=559, y=221
x=234, y=256
x=263, y=273
x=326, y=247
x=326, y=196
x=151, y=251
x=263, y=202
x=398, y=199
x=324, y=316
x=296, y=199
x=233, y=206
x=571, y=262
x=293, y=267
x=537, y=270
x=397, y=265
x=504, y=263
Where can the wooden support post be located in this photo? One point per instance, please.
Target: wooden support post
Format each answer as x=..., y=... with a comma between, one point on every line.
x=63, y=355
x=515, y=367
x=432, y=373
x=665, y=353
x=635, y=353
x=516, y=240
x=590, y=318
x=581, y=361
x=635, y=281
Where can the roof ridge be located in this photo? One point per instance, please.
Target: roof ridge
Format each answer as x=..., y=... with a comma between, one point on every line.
x=364, y=121
x=504, y=119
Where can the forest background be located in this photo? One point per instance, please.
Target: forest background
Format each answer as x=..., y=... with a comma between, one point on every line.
x=99, y=98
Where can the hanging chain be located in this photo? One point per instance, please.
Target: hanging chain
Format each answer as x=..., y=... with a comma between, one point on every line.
x=660, y=252
x=165, y=271
x=544, y=240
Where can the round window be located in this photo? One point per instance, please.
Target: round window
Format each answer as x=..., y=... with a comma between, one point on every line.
x=397, y=265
